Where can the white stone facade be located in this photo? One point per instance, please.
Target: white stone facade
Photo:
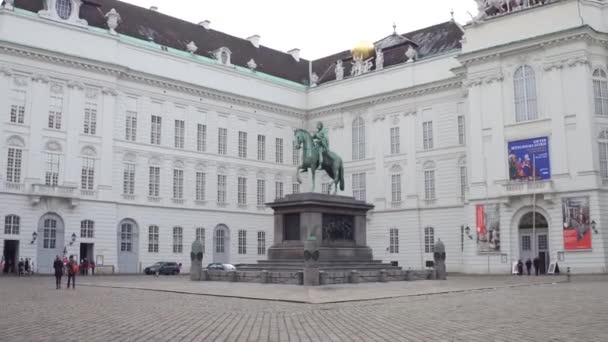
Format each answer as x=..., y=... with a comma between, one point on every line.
x=425, y=142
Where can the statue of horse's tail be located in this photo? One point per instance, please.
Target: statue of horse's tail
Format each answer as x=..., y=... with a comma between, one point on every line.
x=341, y=172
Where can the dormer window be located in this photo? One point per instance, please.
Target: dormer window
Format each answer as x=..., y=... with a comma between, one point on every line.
x=223, y=55
x=64, y=9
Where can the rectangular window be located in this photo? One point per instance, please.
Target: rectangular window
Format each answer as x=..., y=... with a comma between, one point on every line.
x=178, y=183
x=49, y=234
x=279, y=150
x=463, y=182
x=55, y=111
x=154, y=185
x=526, y=243
x=178, y=238
x=396, y=188
x=200, y=236
x=87, y=229
x=394, y=241
x=604, y=162
x=325, y=188
x=128, y=179
x=261, y=147
x=221, y=189
x=131, y=126
x=18, y=98
x=261, y=243
x=11, y=225
x=201, y=138
x=200, y=186
x=242, y=242
x=13, y=165
x=242, y=144
x=278, y=190
x=88, y=174
x=297, y=156
x=242, y=191
x=261, y=195
x=542, y=242
x=153, y=239
x=51, y=176
x=395, y=144
x=429, y=240
x=295, y=188
x=359, y=186
x=429, y=185
x=180, y=133
x=427, y=135
x=222, y=140
x=156, y=130
x=461, y=130
x=90, y=118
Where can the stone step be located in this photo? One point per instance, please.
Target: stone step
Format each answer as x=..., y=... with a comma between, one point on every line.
x=346, y=262
x=322, y=266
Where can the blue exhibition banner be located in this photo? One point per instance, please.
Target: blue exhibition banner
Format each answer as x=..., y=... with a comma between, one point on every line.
x=529, y=159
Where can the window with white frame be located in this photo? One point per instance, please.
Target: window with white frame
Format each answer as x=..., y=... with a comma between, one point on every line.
x=603, y=151
x=600, y=91
x=395, y=144
x=278, y=190
x=359, y=186
x=128, y=179
x=200, y=186
x=200, y=236
x=154, y=184
x=427, y=135
x=242, y=191
x=295, y=188
x=55, y=111
x=87, y=229
x=201, y=138
x=178, y=183
x=242, y=144
x=394, y=241
x=156, y=130
x=13, y=165
x=64, y=8
x=429, y=181
x=296, y=156
x=396, y=188
x=463, y=179
x=87, y=179
x=49, y=234
x=126, y=237
x=524, y=82
x=178, y=240
x=220, y=238
x=221, y=189
x=526, y=243
x=261, y=147
x=131, y=126
x=90, y=118
x=261, y=191
x=11, y=224
x=180, y=133
x=261, y=243
x=222, y=140
x=242, y=241
x=153, y=239
x=17, y=111
x=429, y=240
x=358, y=139
x=461, y=130
x=51, y=175
x=279, y=150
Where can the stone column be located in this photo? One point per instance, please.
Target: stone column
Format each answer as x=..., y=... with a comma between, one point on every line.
x=73, y=114
x=105, y=120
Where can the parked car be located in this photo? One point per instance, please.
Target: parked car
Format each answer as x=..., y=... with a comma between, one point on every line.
x=216, y=266
x=163, y=267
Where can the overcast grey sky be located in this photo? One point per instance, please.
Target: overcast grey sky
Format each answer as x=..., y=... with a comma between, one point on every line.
x=317, y=27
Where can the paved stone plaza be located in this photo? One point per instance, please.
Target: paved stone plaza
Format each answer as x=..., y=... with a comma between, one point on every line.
x=521, y=309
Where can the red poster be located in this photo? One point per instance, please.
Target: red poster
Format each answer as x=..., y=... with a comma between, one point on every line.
x=481, y=226
x=576, y=228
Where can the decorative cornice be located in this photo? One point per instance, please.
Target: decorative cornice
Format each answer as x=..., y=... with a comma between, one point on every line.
x=40, y=78
x=75, y=85
x=109, y=91
x=499, y=77
x=568, y=62
x=379, y=117
x=6, y=71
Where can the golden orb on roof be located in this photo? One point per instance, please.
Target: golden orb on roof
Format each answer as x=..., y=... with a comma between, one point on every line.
x=362, y=49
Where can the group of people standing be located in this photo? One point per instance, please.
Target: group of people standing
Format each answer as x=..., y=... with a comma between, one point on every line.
x=24, y=267
x=537, y=263
x=70, y=267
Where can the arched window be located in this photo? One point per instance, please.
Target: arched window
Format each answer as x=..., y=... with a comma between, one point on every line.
x=525, y=94
x=87, y=229
x=603, y=150
x=358, y=139
x=429, y=239
x=429, y=181
x=600, y=91
x=64, y=8
x=11, y=225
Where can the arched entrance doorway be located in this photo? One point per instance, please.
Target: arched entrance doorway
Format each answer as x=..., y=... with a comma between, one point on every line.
x=534, y=239
x=51, y=233
x=128, y=246
x=221, y=244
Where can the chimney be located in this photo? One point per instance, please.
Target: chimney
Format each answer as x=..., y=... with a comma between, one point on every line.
x=295, y=53
x=255, y=40
x=154, y=8
x=206, y=24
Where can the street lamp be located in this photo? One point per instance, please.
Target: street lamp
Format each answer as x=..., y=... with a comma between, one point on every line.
x=593, y=224
x=34, y=237
x=73, y=239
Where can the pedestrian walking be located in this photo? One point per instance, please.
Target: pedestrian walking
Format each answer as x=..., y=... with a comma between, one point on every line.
x=520, y=268
x=528, y=265
x=72, y=270
x=58, y=266
x=20, y=266
x=92, y=267
x=536, y=265
x=85, y=267
x=27, y=266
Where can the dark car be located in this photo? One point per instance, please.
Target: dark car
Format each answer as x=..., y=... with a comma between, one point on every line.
x=216, y=266
x=163, y=267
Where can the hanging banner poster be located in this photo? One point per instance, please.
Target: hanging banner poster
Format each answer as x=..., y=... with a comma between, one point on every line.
x=488, y=227
x=576, y=228
x=529, y=159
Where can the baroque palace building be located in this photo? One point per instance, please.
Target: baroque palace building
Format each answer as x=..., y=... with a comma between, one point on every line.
x=125, y=134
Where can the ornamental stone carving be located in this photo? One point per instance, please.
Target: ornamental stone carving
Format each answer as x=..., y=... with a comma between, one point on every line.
x=379, y=59
x=75, y=85
x=109, y=91
x=65, y=11
x=20, y=81
x=112, y=20
x=5, y=71
x=192, y=48
x=40, y=78
x=411, y=54
x=9, y=4
x=314, y=79
x=252, y=65
x=56, y=88
x=339, y=70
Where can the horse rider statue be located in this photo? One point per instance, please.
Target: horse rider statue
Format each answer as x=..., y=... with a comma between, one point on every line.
x=321, y=141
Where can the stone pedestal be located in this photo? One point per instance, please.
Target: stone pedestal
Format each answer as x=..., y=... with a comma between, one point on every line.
x=196, y=259
x=311, y=276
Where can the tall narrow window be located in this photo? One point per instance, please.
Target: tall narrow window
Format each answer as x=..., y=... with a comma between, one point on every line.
x=131, y=126
x=88, y=174
x=242, y=144
x=51, y=176
x=296, y=156
x=461, y=130
x=278, y=190
x=396, y=188
x=429, y=181
x=156, y=130
x=394, y=241
x=200, y=186
x=295, y=188
x=525, y=94
x=261, y=147
x=90, y=118
x=395, y=144
x=18, y=99
x=220, y=237
x=221, y=189
x=87, y=229
x=11, y=225
x=429, y=239
x=600, y=92
x=13, y=165
x=359, y=186
x=178, y=240
x=279, y=150
x=154, y=185
x=201, y=138
x=49, y=234
x=242, y=241
x=180, y=133
x=200, y=236
x=261, y=195
x=358, y=139
x=427, y=135
x=325, y=188
x=128, y=179
x=178, y=183
x=55, y=111
x=222, y=140
x=261, y=243
x=603, y=150
x=463, y=180
x=242, y=191
x=153, y=239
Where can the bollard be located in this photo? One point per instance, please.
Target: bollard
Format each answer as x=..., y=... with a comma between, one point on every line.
x=264, y=278
x=354, y=277
x=300, y=276
x=568, y=275
x=205, y=275
x=322, y=278
x=383, y=276
x=409, y=276
x=232, y=276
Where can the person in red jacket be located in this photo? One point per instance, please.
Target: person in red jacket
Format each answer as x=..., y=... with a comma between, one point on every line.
x=72, y=270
